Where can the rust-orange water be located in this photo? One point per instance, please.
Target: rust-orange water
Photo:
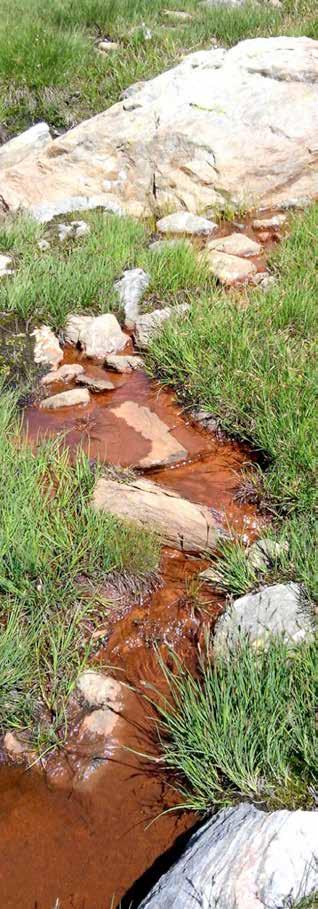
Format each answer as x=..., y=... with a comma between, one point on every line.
x=79, y=837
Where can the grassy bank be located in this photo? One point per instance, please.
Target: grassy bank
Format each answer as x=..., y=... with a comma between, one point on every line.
x=79, y=275
x=245, y=727
x=255, y=369
x=55, y=554
x=50, y=68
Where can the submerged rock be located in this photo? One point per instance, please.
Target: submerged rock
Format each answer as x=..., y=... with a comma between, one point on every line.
x=130, y=289
x=66, y=399
x=97, y=385
x=193, y=141
x=243, y=859
x=229, y=269
x=65, y=373
x=97, y=336
x=180, y=523
x=124, y=364
x=46, y=348
x=164, y=447
x=150, y=323
x=182, y=222
x=99, y=690
x=236, y=245
x=278, y=610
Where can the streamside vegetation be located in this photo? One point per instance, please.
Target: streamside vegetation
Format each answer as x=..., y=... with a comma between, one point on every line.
x=51, y=68
x=254, y=367
x=55, y=553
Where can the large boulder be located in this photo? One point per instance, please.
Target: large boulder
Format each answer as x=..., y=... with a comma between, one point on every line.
x=237, y=125
x=278, y=610
x=243, y=859
x=181, y=524
x=31, y=141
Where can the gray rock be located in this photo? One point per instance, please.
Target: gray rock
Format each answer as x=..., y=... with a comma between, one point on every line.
x=73, y=230
x=66, y=399
x=183, y=222
x=236, y=245
x=229, y=269
x=124, y=364
x=264, y=280
x=65, y=373
x=46, y=348
x=149, y=324
x=97, y=385
x=30, y=141
x=264, y=552
x=131, y=288
x=46, y=211
x=5, y=262
x=278, y=610
x=243, y=859
x=96, y=335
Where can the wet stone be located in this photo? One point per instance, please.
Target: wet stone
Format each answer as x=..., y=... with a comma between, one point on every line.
x=124, y=364
x=66, y=399
x=99, y=690
x=164, y=447
x=65, y=373
x=236, y=245
x=96, y=385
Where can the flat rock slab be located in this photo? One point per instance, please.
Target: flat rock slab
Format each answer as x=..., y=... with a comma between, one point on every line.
x=97, y=336
x=65, y=373
x=96, y=385
x=236, y=245
x=164, y=448
x=180, y=523
x=277, y=610
x=235, y=126
x=66, y=399
x=182, y=222
x=229, y=269
x=124, y=364
x=243, y=859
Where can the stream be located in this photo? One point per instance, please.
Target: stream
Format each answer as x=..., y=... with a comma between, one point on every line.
x=78, y=835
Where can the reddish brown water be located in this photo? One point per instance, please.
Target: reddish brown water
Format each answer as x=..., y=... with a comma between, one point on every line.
x=79, y=838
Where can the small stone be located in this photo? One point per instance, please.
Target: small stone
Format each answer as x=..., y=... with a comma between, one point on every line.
x=124, y=364
x=130, y=289
x=176, y=14
x=264, y=552
x=43, y=245
x=183, y=222
x=106, y=47
x=94, y=384
x=96, y=335
x=66, y=399
x=73, y=230
x=229, y=269
x=5, y=262
x=65, y=373
x=149, y=324
x=47, y=348
x=100, y=722
x=99, y=690
x=266, y=223
x=236, y=245
x=264, y=280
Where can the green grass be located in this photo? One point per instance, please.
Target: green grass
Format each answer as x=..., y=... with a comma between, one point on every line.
x=50, y=69
x=52, y=544
x=78, y=276
x=245, y=727
x=255, y=368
